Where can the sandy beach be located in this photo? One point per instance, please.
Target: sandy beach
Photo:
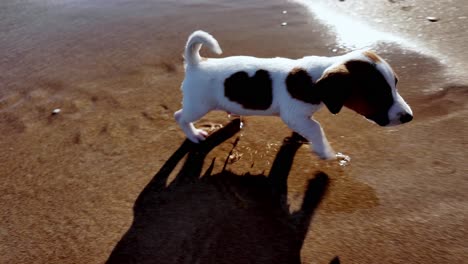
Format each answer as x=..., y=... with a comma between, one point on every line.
x=111, y=174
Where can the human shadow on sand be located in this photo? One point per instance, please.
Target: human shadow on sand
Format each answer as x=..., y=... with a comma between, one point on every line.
x=221, y=218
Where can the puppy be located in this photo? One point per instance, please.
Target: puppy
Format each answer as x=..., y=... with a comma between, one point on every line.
x=291, y=89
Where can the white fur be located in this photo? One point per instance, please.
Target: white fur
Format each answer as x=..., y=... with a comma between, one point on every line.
x=194, y=44
x=203, y=90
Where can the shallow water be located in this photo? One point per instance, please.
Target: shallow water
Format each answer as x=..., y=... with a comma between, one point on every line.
x=350, y=32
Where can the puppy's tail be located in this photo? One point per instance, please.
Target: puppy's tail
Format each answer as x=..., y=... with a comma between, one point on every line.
x=194, y=43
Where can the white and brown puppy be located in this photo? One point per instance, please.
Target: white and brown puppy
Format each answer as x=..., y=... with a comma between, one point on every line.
x=291, y=89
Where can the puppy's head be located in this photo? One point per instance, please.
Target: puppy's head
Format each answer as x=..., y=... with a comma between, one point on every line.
x=365, y=83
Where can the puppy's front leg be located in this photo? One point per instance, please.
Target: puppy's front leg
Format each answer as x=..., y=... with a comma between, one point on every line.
x=313, y=132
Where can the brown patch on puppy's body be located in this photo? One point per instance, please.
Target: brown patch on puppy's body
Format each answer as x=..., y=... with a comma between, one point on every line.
x=372, y=56
x=254, y=92
x=301, y=87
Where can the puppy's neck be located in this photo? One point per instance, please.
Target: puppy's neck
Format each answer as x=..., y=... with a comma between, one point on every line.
x=316, y=66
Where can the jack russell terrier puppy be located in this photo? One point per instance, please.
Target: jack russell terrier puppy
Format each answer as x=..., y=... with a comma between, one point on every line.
x=291, y=89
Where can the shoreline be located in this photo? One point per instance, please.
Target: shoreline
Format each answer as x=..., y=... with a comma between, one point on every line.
x=431, y=29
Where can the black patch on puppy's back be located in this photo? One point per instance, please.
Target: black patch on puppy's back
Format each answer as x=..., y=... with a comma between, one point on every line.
x=254, y=92
x=300, y=86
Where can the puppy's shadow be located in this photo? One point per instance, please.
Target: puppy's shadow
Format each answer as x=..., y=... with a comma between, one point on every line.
x=221, y=218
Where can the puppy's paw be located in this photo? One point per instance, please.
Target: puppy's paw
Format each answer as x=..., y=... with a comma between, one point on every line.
x=343, y=159
x=197, y=135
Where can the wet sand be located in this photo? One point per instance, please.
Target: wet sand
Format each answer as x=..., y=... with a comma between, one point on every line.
x=70, y=181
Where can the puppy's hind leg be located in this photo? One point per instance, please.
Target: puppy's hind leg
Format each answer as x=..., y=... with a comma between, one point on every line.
x=185, y=118
x=313, y=132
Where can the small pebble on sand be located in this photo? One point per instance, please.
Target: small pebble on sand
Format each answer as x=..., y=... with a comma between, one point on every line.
x=285, y=12
x=284, y=24
x=432, y=19
x=56, y=111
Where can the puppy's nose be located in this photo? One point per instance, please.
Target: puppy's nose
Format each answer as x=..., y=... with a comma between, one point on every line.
x=405, y=118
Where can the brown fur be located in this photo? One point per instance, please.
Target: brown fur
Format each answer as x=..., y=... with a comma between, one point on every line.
x=372, y=56
x=371, y=95
x=332, y=88
x=359, y=86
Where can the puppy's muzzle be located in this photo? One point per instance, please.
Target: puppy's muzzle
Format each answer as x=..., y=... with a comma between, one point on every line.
x=400, y=112
x=405, y=118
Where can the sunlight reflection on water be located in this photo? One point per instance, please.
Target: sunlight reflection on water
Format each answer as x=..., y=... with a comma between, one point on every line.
x=350, y=32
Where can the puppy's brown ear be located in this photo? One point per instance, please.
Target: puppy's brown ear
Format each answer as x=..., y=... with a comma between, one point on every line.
x=334, y=88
